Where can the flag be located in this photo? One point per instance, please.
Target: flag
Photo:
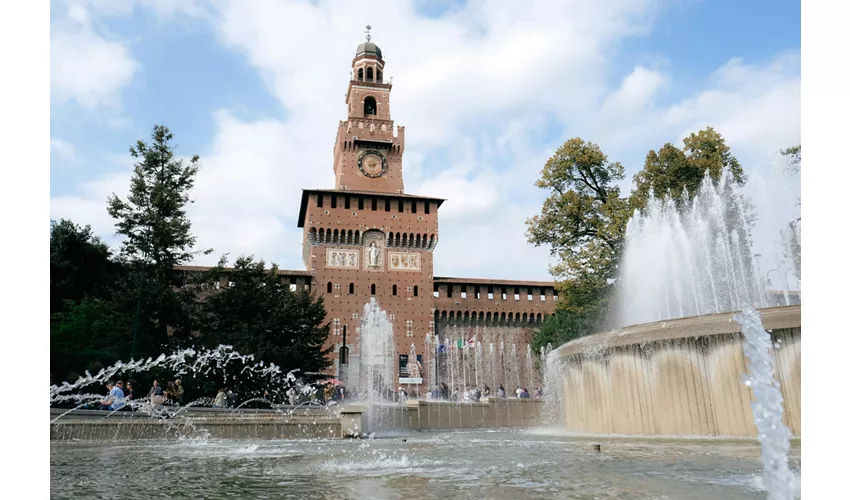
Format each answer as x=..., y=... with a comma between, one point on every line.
x=471, y=343
x=460, y=343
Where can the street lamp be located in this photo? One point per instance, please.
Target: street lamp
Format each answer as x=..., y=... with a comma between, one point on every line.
x=785, y=284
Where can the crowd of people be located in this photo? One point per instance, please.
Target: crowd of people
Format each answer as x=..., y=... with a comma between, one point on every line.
x=121, y=397
x=474, y=394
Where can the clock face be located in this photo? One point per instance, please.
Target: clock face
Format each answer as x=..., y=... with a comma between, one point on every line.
x=372, y=164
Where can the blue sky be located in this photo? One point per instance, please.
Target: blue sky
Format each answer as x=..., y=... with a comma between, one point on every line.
x=486, y=94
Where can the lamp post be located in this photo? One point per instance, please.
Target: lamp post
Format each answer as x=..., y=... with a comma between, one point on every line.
x=784, y=283
x=795, y=278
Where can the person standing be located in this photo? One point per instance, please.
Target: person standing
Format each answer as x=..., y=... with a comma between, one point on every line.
x=178, y=391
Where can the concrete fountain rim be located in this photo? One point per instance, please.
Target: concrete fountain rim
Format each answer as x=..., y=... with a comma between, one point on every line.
x=773, y=318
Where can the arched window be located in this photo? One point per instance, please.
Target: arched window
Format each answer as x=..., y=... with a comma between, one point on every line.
x=368, y=74
x=395, y=290
x=351, y=288
x=373, y=289
x=415, y=290
x=380, y=78
x=330, y=287
x=360, y=74
x=370, y=106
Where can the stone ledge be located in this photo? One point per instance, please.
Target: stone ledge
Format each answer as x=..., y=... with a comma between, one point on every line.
x=773, y=318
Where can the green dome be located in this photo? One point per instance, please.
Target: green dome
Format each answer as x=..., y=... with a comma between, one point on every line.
x=369, y=49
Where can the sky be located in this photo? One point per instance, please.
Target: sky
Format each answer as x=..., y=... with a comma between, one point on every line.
x=486, y=90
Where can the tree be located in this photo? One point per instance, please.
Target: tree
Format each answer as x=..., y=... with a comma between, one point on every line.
x=259, y=315
x=584, y=220
x=80, y=265
x=158, y=237
x=564, y=326
x=84, y=321
x=675, y=172
x=87, y=335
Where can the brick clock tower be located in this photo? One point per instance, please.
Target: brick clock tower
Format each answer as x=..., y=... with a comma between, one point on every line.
x=366, y=238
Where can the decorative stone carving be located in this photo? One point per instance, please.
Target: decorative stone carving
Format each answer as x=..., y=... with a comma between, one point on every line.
x=403, y=261
x=337, y=257
x=373, y=250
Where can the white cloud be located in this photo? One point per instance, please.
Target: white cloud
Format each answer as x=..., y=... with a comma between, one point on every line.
x=86, y=67
x=88, y=206
x=476, y=90
x=635, y=93
x=64, y=149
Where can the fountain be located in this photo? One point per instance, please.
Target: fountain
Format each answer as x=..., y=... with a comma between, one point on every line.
x=673, y=366
x=705, y=246
x=779, y=481
x=143, y=418
x=552, y=414
x=377, y=371
x=377, y=354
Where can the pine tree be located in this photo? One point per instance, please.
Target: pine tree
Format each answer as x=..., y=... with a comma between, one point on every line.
x=256, y=313
x=158, y=237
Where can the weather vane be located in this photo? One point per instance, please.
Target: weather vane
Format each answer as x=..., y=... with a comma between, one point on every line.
x=368, y=35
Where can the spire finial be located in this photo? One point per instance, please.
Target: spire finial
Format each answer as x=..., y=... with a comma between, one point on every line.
x=368, y=34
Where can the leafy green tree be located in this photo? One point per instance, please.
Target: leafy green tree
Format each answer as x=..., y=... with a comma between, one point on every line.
x=673, y=171
x=583, y=219
x=258, y=314
x=157, y=237
x=564, y=326
x=80, y=265
x=87, y=335
x=679, y=173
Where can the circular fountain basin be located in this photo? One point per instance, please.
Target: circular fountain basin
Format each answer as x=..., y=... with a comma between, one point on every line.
x=680, y=377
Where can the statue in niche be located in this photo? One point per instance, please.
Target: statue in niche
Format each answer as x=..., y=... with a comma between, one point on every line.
x=373, y=254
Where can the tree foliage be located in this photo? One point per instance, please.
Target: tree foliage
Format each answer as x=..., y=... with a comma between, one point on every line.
x=98, y=299
x=583, y=219
x=677, y=172
x=87, y=335
x=157, y=237
x=564, y=326
x=80, y=265
x=259, y=314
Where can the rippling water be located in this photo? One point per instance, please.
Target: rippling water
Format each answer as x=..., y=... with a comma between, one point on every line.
x=475, y=465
